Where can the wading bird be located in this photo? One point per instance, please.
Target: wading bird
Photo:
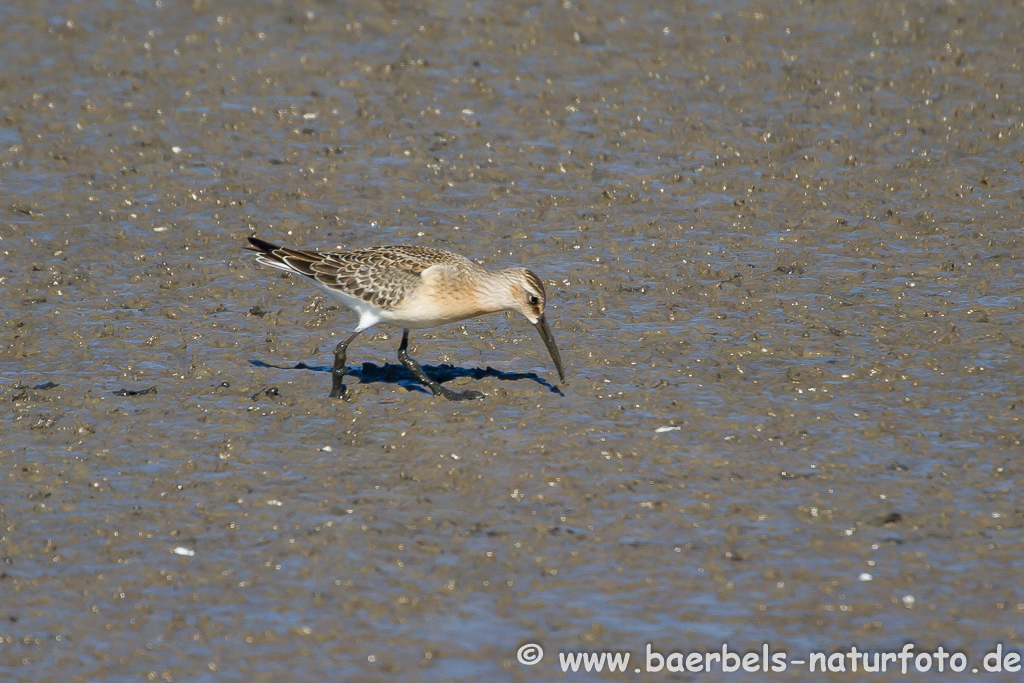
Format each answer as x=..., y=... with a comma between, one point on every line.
x=412, y=288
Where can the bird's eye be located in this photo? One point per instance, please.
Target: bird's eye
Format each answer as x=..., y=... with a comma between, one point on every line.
x=534, y=300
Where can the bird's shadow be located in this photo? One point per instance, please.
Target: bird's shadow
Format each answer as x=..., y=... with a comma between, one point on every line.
x=397, y=374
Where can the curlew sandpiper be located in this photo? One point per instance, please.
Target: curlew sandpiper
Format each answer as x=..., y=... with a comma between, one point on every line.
x=412, y=288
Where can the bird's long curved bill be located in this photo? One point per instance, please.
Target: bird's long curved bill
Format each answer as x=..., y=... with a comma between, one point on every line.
x=549, y=341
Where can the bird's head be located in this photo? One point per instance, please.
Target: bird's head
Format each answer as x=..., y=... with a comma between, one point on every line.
x=528, y=297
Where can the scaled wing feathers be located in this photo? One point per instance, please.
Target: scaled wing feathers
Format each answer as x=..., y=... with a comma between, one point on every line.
x=382, y=276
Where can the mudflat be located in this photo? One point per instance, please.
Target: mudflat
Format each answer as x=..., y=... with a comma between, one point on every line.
x=782, y=249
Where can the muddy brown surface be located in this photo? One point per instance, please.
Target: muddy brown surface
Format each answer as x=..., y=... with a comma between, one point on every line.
x=789, y=233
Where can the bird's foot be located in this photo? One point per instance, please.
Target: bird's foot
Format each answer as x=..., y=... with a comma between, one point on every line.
x=467, y=395
x=338, y=389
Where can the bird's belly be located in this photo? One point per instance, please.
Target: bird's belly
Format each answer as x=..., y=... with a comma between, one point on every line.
x=423, y=312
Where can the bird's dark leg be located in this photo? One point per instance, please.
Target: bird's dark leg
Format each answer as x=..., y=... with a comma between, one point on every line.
x=339, y=370
x=435, y=386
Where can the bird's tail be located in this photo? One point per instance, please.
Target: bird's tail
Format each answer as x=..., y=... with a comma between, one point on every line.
x=283, y=258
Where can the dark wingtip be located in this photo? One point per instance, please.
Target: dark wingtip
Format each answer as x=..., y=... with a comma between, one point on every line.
x=262, y=246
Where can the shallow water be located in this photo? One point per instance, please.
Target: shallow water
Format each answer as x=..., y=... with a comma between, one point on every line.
x=793, y=232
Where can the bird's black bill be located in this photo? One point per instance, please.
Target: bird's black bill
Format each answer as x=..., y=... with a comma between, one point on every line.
x=549, y=341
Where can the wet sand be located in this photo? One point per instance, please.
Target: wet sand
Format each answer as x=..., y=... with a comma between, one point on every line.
x=782, y=249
